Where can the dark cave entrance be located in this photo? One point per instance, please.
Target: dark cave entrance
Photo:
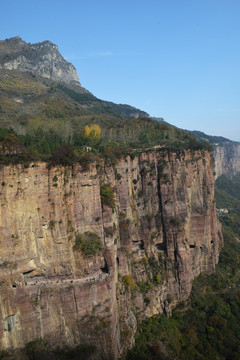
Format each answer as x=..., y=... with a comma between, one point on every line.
x=105, y=268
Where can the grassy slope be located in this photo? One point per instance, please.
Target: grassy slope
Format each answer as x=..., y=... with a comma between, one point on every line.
x=24, y=95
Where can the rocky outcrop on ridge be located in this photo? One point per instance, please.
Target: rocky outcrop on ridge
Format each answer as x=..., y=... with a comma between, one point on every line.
x=42, y=58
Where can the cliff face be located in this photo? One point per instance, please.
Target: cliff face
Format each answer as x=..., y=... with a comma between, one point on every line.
x=227, y=159
x=41, y=58
x=162, y=232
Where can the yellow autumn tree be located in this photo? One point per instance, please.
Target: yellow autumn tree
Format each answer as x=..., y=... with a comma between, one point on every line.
x=87, y=131
x=93, y=131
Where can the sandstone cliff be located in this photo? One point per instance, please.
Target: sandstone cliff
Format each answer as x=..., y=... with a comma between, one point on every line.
x=162, y=232
x=227, y=159
x=41, y=58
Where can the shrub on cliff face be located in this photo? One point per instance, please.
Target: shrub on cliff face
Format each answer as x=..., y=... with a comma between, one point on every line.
x=85, y=159
x=38, y=349
x=64, y=155
x=89, y=243
x=147, y=300
x=128, y=281
x=108, y=232
x=107, y=195
x=176, y=222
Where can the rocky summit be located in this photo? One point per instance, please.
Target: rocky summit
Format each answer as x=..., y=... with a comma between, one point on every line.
x=42, y=58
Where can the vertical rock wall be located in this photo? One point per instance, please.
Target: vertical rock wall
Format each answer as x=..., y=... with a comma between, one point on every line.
x=227, y=159
x=162, y=232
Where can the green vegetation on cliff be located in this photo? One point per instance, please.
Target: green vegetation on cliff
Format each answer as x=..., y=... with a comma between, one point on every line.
x=84, y=147
x=89, y=243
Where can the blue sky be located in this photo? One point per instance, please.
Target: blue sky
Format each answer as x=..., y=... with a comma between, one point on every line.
x=176, y=59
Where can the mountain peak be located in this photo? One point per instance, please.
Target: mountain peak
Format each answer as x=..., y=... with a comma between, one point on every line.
x=42, y=58
x=15, y=39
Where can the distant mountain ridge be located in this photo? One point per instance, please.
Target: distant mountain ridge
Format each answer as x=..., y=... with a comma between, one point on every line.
x=215, y=140
x=42, y=58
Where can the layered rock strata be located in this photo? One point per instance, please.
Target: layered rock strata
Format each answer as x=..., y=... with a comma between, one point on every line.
x=162, y=232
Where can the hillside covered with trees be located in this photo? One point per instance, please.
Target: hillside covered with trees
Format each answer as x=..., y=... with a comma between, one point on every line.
x=38, y=115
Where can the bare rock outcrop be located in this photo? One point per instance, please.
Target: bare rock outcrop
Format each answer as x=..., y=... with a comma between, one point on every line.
x=160, y=234
x=41, y=58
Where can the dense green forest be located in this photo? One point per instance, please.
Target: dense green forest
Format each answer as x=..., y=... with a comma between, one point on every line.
x=207, y=326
